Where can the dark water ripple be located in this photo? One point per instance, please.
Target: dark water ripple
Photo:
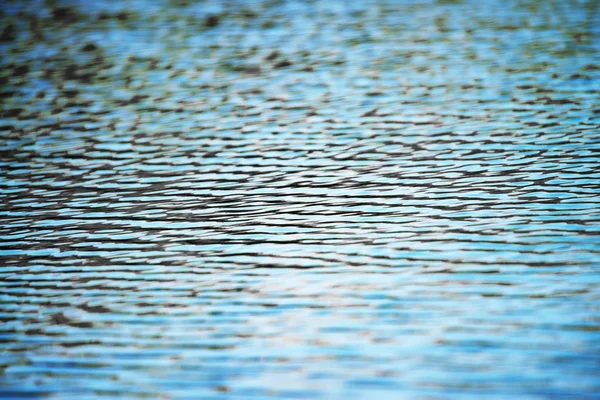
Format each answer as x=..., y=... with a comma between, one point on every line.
x=300, y=200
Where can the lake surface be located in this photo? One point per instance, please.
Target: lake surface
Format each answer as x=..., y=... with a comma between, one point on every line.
x=306, y=200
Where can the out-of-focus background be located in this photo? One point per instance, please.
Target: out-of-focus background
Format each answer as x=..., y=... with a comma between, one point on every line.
x=284, y=199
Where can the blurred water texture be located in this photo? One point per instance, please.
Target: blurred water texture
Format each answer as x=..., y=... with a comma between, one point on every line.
x=280, y=199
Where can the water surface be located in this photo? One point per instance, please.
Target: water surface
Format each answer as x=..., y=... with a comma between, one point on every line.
x=325, y=199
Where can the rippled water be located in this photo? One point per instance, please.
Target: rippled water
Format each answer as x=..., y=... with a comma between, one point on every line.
x=329, y=199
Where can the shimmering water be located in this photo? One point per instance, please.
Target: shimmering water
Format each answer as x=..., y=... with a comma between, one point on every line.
x=321, y=199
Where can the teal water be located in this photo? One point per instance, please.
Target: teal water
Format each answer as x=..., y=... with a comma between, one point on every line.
x=317, y=200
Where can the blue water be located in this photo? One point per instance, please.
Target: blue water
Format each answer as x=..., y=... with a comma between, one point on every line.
x=317, y=200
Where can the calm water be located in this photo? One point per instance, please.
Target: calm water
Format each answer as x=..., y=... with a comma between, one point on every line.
x=322, y=200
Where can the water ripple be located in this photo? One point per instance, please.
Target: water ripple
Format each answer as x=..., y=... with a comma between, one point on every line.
x=326, y=199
